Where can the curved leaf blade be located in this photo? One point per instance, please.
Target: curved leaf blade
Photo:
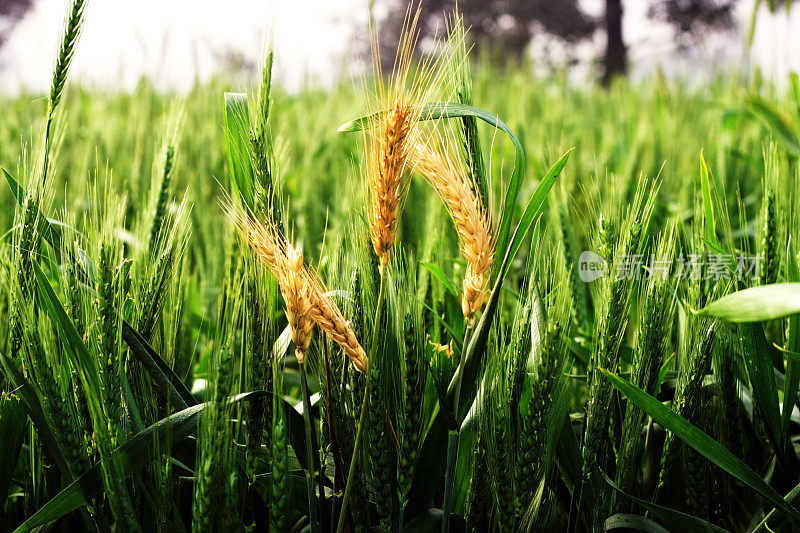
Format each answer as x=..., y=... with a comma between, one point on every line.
x=778, y=122
x=163, y=376
x=708, y=201
x=439, y=274
x=702, y=443
x=130, y=457
x=534, y=207
x=676, y=520
x=792, y=345
x=633, y=522
x=33, y=406
x=66, y=327
x=44, y=225
x=756, y=304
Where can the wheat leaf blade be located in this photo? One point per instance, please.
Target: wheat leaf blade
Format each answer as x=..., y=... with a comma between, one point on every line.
x=54, y=307
x=130, y=457
x=792, y=345
x=702, y=443
x=672, y=518
x=756, y=304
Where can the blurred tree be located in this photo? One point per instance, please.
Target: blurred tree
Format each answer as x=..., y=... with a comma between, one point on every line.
x=11, y=11
x=501, y=27
x=14, y=8
x=504, y=28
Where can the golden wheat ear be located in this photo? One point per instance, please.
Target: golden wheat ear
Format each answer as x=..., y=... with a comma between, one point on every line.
x=286, y=265
x=394, y=130
x=306, y=301
x=388, y=179
x=444, y=171
x=330, y=320
x=297, y=294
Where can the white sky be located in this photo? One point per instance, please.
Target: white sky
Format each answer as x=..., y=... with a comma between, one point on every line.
x=176, y=41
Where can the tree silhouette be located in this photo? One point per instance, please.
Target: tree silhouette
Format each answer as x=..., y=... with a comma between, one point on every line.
x=504, y=28
x=12, y=10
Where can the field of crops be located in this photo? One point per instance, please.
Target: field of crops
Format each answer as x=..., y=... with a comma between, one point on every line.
x=453, y=297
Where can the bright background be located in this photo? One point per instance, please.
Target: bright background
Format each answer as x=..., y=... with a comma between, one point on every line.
x=175, y=42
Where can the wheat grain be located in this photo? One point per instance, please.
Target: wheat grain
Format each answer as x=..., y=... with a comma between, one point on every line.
x=770, y=255
x=411, y=416
x=161, y=198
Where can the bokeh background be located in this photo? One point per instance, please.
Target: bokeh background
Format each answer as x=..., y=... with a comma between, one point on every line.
x=176, y=43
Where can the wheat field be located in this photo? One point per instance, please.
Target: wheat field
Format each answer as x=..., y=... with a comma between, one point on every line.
x=450, y=296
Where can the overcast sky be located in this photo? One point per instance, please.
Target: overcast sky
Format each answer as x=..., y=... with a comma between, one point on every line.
x=176, y=41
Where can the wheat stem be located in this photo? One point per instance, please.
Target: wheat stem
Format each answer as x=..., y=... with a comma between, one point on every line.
x=453, y=437
x=310, y=473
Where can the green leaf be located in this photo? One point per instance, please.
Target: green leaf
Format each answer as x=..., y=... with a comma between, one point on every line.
x=792, y=381
x=13, y=428
x=534, y=207
x=570, y=464
x=30, y=400
x=455, y=336
x=237, y=141
x=708, y=201
x=633, y=522
x=702, y=443
x=771, y=517
x=82, y=360
x=129, y=458
x=45, y=227
x=439, y=274
x=428, y=522
x=756, y=304
x=760, y=371
x=676, y=520
x=164, y=378
x=778, y=122
x=794, y=83
x=568, y=452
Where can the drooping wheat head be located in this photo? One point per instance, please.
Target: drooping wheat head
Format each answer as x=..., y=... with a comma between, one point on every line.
x=306, y=301
x=295, y=293
x=437, y=162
